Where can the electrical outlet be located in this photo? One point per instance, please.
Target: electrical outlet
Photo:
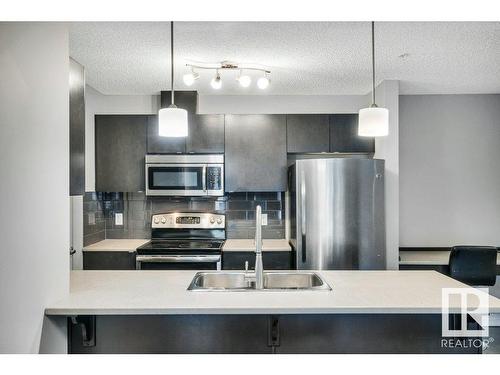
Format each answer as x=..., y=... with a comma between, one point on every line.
x=91, y=218
x=119, y=218
x=264, y=219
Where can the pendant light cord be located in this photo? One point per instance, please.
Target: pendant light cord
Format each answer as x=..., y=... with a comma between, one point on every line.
x=172, y=60
x=373, y=63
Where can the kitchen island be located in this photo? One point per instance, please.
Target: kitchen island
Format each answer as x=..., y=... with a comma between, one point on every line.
x=153, y=312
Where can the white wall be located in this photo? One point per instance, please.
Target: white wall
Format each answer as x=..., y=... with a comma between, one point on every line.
x=387, y=148
x=97, y=103
x=34, y=175
x=450, y=170
x=258, y=104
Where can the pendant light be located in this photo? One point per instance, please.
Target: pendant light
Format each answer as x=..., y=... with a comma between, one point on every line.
x=172, y=121
x=373, y=121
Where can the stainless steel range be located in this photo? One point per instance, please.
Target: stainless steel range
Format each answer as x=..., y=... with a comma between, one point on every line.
x=184, y=241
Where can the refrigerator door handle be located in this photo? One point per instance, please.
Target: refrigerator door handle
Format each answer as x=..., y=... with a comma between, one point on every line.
x=303, y=217
x=304, y=248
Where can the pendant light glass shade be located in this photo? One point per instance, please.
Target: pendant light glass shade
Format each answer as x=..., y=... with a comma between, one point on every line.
x=173, y=122
x=373, y=122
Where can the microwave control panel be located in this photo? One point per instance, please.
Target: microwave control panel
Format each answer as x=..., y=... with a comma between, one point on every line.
x=214, y=178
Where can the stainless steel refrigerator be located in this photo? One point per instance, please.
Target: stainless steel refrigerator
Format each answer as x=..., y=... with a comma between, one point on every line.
x=337, y=218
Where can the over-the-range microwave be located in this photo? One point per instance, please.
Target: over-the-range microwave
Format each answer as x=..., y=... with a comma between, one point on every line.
x=185, y=175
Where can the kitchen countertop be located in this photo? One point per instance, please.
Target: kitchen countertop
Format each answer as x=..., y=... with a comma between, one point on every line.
x=116, y=245
x=249, y=245
x=165, y=292
x=427, y=257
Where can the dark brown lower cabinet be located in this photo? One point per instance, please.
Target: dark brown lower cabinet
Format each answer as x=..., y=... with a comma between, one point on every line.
x=283, y=334
x=108, y=260
x=271, y=260
x=363, y=334
x=175, y=334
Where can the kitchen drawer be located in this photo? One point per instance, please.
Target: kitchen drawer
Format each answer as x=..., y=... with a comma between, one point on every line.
x=108, y=260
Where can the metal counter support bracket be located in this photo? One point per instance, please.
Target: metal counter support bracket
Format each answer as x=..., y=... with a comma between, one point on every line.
x=273, y=336
x=87, y=327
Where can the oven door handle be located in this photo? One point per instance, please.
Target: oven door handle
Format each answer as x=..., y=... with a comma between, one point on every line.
x=178, y=258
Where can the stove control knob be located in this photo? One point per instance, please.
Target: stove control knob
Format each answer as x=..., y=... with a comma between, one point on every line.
x=163, y=220
x=219, y=220
x=156, y=220
x=212, y=220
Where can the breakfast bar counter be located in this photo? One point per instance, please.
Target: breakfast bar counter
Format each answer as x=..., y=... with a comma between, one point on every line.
x=165, y=292
x=153, y=312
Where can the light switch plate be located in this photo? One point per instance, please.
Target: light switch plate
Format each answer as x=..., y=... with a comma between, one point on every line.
x=264, y=219
x=91, y=218
x=119, y=218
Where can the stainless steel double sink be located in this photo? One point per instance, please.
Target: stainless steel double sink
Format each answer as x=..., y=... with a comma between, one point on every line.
x=244, y=282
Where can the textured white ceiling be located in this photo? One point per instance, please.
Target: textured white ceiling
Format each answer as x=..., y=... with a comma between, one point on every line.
x=304, y=57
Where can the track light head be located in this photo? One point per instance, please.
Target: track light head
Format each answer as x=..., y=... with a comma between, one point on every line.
x=190, y=78
x=244, y=80
x=216, y=82
x=263, y=82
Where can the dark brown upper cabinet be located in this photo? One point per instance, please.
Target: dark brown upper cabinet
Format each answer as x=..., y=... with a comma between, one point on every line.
x=205, y=134
x=344, y=135
x=120, y=147
x=307, y=133
x=76, y=128
x=255, y=153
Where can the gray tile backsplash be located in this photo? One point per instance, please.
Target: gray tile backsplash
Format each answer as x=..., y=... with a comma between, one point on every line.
x=240, y=214
x=94, y=226
x=137, y=210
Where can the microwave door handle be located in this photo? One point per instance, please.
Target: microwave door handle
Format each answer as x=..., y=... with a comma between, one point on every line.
x=204, y=178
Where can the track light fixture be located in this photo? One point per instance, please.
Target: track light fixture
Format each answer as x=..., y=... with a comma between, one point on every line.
x=245, y=80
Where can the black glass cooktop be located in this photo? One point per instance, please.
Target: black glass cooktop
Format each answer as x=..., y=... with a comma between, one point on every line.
x=180, y=246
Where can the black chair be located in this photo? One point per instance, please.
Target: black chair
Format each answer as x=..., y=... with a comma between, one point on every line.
x=474, y=265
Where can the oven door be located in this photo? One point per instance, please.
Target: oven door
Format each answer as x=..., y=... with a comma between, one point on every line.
x=178, y=262
x=176, y=179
